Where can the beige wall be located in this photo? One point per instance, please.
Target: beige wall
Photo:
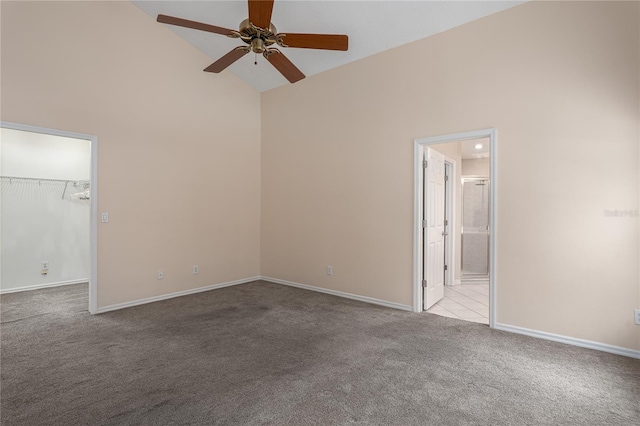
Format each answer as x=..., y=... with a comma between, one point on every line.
x=179, y=149
x=476, y=167
x=559, y=81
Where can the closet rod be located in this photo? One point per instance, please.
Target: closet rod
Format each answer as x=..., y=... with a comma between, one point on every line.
x=46, y=180
x=66, y=181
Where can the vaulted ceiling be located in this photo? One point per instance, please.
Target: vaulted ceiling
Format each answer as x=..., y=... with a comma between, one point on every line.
x=372, y=27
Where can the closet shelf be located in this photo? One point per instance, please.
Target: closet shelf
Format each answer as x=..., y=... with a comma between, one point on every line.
x=84, y=184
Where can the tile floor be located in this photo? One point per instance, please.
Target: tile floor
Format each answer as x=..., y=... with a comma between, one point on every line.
x=469, y=302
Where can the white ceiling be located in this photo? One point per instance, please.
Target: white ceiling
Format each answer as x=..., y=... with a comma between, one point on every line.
x=469, y=151
x=372, y=27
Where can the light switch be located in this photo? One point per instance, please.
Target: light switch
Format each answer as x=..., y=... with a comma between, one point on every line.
x=105, y=217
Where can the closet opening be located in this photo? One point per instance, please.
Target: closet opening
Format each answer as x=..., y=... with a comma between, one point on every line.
x=48, y=226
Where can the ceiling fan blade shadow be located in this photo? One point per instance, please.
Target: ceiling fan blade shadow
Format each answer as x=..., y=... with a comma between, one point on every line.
x=284, y=65
x=260, y=13
x=227, y=60
x=193, y=24
x=316, y=41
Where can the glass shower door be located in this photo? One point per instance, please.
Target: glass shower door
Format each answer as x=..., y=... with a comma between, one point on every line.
x=475, y=228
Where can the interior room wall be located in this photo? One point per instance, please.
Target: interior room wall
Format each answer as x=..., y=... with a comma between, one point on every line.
x=178, y=148
x=559, y=82
x=39, y=225
x=453, y=151
x=476, y=167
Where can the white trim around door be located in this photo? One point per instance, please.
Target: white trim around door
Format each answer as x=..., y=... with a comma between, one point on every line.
x=93, y=221
x=419, y=148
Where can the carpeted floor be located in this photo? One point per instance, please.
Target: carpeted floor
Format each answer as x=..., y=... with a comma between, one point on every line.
x=262, y=353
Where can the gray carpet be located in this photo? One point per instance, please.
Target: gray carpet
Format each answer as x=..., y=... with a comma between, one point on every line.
x=262, y=353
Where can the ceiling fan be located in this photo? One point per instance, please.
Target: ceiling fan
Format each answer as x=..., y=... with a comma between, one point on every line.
x=260, y=34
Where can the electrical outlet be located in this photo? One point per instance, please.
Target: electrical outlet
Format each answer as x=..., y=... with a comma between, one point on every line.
x=160, y=274
x=104, y=217
x=637, y=316
x=196, y=271
x=329, y=270
x=45, y=268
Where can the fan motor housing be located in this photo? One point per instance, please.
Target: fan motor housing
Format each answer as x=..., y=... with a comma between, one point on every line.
x=257, y=38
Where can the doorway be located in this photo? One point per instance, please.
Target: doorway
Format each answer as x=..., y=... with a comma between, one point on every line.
x=48, y=210
x=452, y=275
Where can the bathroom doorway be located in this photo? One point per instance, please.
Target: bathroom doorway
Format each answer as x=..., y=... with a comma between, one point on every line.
x=458, y=283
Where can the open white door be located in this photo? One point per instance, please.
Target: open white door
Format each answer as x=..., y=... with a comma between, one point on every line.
x=433, y=229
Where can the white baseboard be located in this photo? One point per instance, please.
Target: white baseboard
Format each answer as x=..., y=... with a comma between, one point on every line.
x=40, y=286
x=503, y=327
x=152, y=299
x=146, y=300
x=570, y=340
x=340, y=294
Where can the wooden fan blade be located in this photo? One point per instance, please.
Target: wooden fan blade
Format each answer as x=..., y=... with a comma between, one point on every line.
x=316, y=41
x=260, y=13
x=284, y=65
x=193, y=24
x=227, y=60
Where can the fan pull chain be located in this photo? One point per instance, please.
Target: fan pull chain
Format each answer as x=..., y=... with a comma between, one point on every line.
x=256, y=58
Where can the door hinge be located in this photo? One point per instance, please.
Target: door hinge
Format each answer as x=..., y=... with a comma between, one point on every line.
x=446, y=222
x=425, y=163
x=424, y=283
x=446, y=178
x=446, y=267
x=424, y=223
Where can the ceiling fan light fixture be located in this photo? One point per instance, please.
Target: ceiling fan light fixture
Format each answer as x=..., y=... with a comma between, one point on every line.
x=259, y=34
x=257, y=45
